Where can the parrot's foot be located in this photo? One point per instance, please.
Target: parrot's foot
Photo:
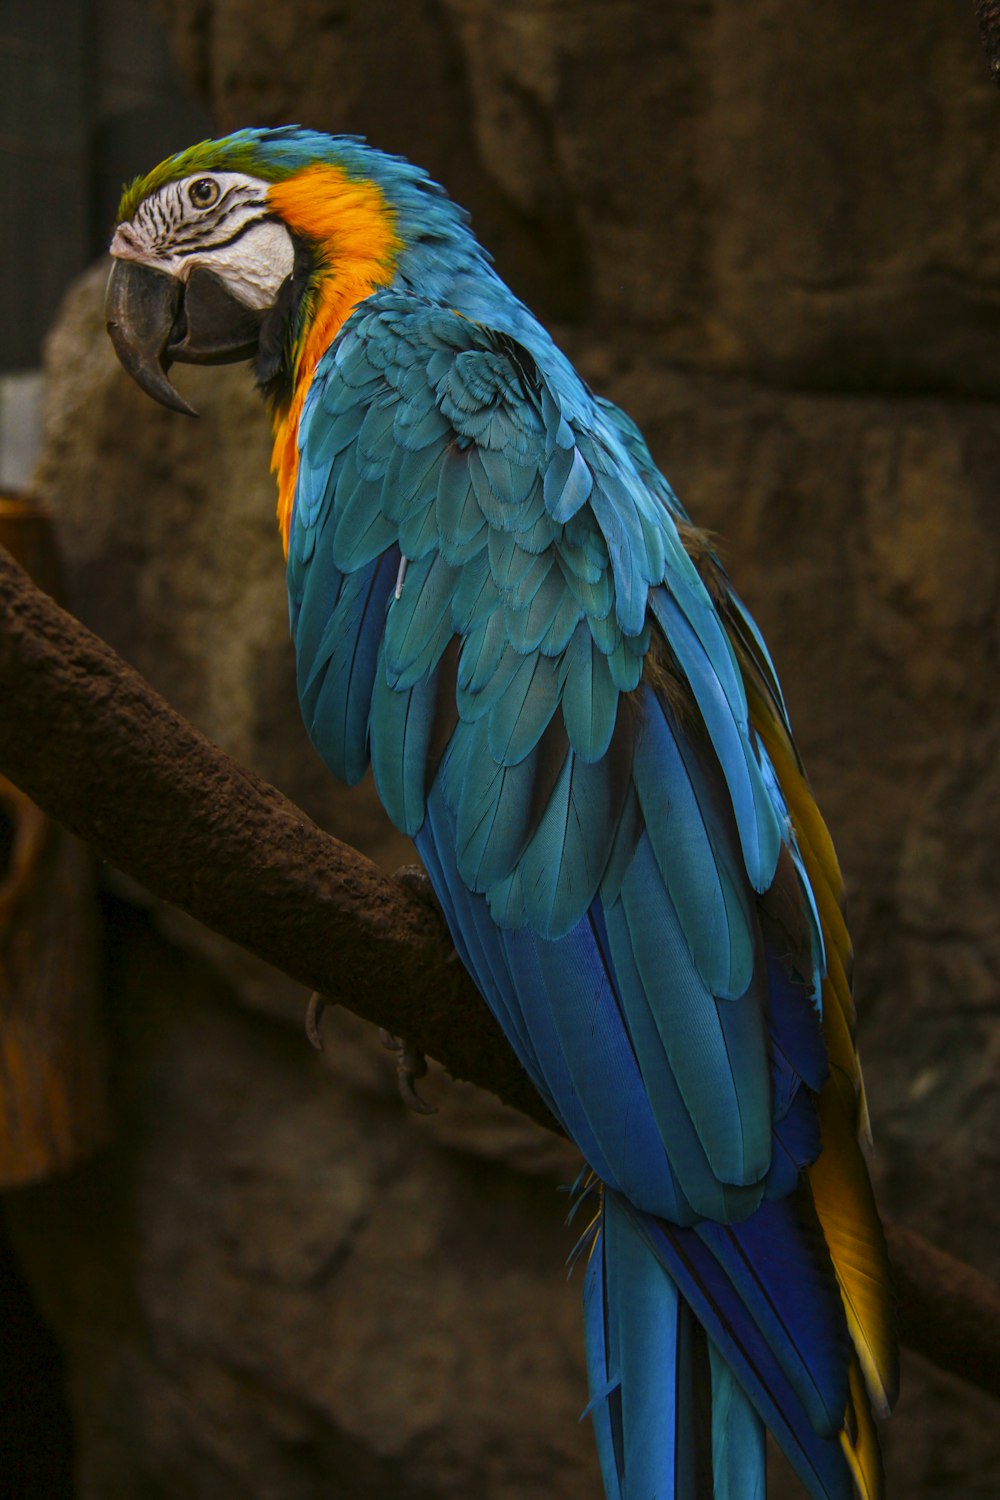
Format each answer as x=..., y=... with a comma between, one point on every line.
x=314, y=1015
x=414, y=878
x=410, y=1065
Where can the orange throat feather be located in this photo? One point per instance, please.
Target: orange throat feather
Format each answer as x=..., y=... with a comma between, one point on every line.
x=353, y=230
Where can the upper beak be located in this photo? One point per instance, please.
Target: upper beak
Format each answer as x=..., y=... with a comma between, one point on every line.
x=155, y=319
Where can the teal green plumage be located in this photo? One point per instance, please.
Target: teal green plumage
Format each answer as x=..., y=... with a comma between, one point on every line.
x=544, y=556
x=498, y=601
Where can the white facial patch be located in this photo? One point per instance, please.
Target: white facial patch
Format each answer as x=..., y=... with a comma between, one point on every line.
x=220, y=221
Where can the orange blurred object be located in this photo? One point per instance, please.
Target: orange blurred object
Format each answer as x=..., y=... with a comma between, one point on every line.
x=53, y=1096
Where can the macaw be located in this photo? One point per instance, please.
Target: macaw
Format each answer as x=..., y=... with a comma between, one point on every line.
x=498, y=602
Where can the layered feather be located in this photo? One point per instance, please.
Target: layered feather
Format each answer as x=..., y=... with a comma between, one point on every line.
x=481, y=558
x=498, y=602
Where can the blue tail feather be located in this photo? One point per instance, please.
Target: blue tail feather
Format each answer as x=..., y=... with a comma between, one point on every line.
x=779, y=1264
x=738, y=1452
x=731, y=1326
x=496, y=601
x=651, y=1381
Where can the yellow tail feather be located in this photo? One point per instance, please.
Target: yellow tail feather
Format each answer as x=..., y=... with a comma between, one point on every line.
x=859, y=1441
x=839, y=1178
x=846, y=1207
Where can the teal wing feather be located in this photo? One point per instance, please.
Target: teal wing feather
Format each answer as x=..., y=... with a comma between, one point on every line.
x=499, y=565
x=536, y=541
x=481, y=557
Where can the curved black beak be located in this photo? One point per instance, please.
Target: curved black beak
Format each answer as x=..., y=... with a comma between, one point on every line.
x=156, y=320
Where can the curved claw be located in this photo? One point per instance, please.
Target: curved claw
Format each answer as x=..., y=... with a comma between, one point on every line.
x=314, y=1015
x=410, y=1065
x=409, y=1095
x=414, y=879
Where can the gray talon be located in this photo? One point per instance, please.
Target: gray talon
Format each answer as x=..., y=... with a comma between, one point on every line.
x=314, y=1015
x=409, y=1095
x=414, y=878
x=410, y=1065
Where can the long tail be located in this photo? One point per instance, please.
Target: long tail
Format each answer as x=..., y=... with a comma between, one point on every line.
x=691, y=1349
x=671, y=1421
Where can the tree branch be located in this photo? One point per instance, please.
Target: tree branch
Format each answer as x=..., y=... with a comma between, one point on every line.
x=948, y=1312
x=988, y=16
x=91, y=742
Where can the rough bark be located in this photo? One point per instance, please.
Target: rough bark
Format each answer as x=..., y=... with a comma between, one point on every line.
x=99, y=750
x=771, y=233
x=52, y=1056
x=948, y=1311
x=988, y=16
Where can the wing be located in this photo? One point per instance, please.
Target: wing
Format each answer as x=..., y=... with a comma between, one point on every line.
x=491, y=599
x=500, y=697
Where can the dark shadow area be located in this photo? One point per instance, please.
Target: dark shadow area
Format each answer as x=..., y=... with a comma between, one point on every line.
x=36, y=1432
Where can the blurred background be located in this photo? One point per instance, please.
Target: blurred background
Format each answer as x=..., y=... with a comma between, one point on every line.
x=234, y=1268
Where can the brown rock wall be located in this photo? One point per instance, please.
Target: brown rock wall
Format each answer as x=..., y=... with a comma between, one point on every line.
x=770, y=232
x=800, y=193
x=275, y=1285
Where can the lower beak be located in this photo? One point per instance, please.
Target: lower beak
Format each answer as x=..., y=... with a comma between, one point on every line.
x=156, y=320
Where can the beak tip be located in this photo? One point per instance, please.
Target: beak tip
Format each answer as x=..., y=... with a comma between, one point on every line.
x=140, y=310
x=148, y=374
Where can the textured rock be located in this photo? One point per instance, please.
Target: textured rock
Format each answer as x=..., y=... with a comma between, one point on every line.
x=798, y=192
x=281, y=1287
x=771, y=234
x=52, y=1054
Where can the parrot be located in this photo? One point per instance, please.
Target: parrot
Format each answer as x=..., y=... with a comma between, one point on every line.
x=498, y=603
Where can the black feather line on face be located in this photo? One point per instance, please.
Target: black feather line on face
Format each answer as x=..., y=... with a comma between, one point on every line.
x=196, y=232
x=201, y=246
x=272, y=365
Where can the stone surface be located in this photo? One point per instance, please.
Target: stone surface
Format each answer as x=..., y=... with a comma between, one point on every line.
x=797, y=192
x=213, y=639
x=277, y=1285
x=771, y=234
x=52, y=1053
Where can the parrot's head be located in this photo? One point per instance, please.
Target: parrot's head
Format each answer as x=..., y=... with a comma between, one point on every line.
x=258, y=246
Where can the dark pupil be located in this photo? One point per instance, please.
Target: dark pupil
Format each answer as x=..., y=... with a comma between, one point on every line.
x=203, y=192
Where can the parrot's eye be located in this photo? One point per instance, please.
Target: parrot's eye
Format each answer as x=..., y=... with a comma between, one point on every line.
x=204, y=192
